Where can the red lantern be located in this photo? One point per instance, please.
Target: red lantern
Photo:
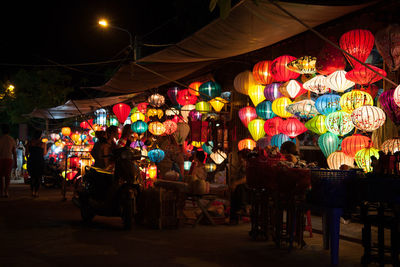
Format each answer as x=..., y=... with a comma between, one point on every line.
x=86, y=124
x=185, y=98
x=271, y=126
x=330, y=59
x=247, y=114
x=357, y=43
x=262, y=72
x=279, y=70
x=142, y=107
x=71, y=175
x=122, y=111
x=371, y=89
x=194, y=88
x=74, y=162
x=363, y=75
x=352, y=144
x=292, y=127
x=170, y=127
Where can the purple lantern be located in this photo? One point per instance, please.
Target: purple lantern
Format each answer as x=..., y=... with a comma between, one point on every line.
x=172, y=94
x=195, y=115
x=389, y=106
x=136, y=144
x=271, y=91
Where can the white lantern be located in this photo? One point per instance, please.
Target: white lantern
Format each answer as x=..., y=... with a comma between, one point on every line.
x=293, y=88
x=218, y=156
x=337, y=81
x=396, y=95
x=156, y=100
x=391, y=145
x=317, y=85
x=171, y=112
x=185, y=111
x=338, y=158
x=304, y=109
x=368, y=118
x=181, y=133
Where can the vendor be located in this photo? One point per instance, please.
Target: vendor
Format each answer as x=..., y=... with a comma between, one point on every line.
x=289, y=151
x=199, y=171
x=126, y=137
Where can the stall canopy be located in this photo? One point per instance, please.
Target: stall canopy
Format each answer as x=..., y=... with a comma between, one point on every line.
x=69, y=109
x=248, y=27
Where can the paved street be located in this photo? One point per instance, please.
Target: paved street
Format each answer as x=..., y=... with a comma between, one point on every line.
x=48, y=232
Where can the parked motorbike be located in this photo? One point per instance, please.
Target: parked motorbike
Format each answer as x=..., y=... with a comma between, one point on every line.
x=52, y=177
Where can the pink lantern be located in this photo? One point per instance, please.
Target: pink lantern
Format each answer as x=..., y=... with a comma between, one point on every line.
x=279, y=70
x=271, y=126
x=247, y=114
x=186, y=98
x=292, y=127
x=142, y=107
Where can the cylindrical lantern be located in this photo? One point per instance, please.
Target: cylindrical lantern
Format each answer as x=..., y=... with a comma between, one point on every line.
x=156, y=100
x=363, y=158
x=218, y=103
x=256, y=129
x=271, y=126
x=329, y=143
x=138, y=116
x=247, y=144
x=262, y=72
x=101, y=116
x=368, y=118
x=247, y=114
x=327, y=104
x=156, y=155
x=185, y=111
x=256, y=94
x=271, y=91
x=264, y=110
x=209, y=90
x=391, y=145
x=292, y=89
x=185, y=98
x=337, y=159
x=303, y=65
x=203, y=107
x=304, y=109
x=66, y=131
x=218, y=156
x=357, y=43
x=243, y=81
x=364, y=76
x=156, y=128
x=355, y=99
x=339, y=123
x=292, y=127
x=208, y=146
x=352, y=144
x=122, y=111
x=173, y=94
x=337, y=81
x=210, y=167
x=279, y=70
x=279, y=139
x=139, y=127
x=317, y=85
x=279, y=107
x=317, y=124
x=194, y=88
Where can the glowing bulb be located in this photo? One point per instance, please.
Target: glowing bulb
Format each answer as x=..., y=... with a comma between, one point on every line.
x=103, y=23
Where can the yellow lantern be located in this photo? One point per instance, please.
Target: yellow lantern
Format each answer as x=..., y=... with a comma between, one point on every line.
x=339, y=158
x=156, y=128
x=256, y=129
x=76, y=137
x=197, y=144
x=218, y=103
x=303, y=65
x=317, y=124
x=152, y=172
x=210, y=167
x=247, y=144
x=243, y=81
x=45, y=140
x=171, y=112
x=279, y=107
x=155, y=112
x=363, y=158
x=66, y=131
x=138, y=116
x=203, y=107
x=355, y=99
x=256, y=93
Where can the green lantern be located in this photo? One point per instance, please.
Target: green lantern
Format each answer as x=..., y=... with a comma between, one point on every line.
x=329, y=143
x=112, y=121
x=139, y=127
x=339, y=123
x=317, y=124
x=363, y=158
x=203, y=107
x=264, y=110
x=209, y=90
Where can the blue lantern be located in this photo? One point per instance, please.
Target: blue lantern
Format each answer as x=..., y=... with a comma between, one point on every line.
x=208, y=146
x=83, y=137
x=156, y=155
x=139, y=127
x=187, y=165
x=328, y=103
x=329, y=143
x=101, y=117
x=209, y=90
x=264, y=110
x=278, y=139
x=112, y=120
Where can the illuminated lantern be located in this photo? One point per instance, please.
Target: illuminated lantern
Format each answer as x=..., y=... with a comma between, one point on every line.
x=279, y=139
x=187, y=165
x=256, y=129
x=71, y=175
x=271, y=91
x=54, y=136
x=83, y=137
x=279, y=70
x=317, y=85
x=337, y=159
x=371, y=89
x=171, y=112
x=389, y=106
x=355, y=99
x=156, y=100
x=122, y=111
x=170, y=127
x=203, y=107
x=247, y=114
x=262, y=72
x=66, y=131
x=391, y=145
x=156, y=128
x=187, y=147
x=45, y=140
x=74, y=162
x=368, y=118
x=142, y=107
x=271, y=126
x=210, y=167
x=279, y=107
x=112, y=120
x=316, y=124
x=172, y=95
x=197, y=144
x=339, y=123
x=194, y=88
x=303, y=65
x=185, y=98
x=209, y=90
x=256, y=94
x=152, y=172
x=101, y=116
x=156, y=155
x=185, y=111
x=137, y=116
x=292, y=89
x=208, y=146
x=218, y=103
x=330, y=59
x=396, y=96
x=155, y=112
x=337, y=81
x=195, y=115
x=363, y=158
x=85, y=124
x=243, y=81
x=218, y=156
x=181, y=133
x=357, y=43
x=352, y=144
x=247, y=144
x=328, y=143
x=292, y=127
x=363, y=75
x=264, y=110
x=76, y=137
x=327, y=104
x=304, y=109
x=139, y=127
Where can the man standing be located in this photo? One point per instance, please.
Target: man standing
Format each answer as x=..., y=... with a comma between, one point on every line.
x=8, y=158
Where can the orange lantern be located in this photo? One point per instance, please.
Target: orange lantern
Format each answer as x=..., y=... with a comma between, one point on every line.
x=66, y=131
x=156, y=128
x=152, y=172
x=352, y=144
x=262, y=72
x=194, y=88
x=247, y=144
x=170, y=127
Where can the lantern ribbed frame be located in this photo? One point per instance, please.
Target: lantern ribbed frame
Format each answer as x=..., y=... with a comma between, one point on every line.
x=364, y=76
x=247, y=144
x=368, y=118
x=203, y=107
x=339, y=123
x=304, y=109
x=303, y=65
x=139, y=127
x=185, y=98
x=264, y=110
x=363, y=158
x=271, y=91
x=391, y=145
x=156, y=128
x=279, y=70
x=256, y=94
x=247, y=114
x=271, y=126
x=317, y=124
x=279, y=107
x=327, y=104
x=357, y=43
x=278, y=139
x=352, y=144
x=339, y=158
x=262, y=72
x=355, y=99
x=243, y=81
x=194, y=88
x=156, y=100
x=337, y=81
x=317, y=85
x=292, y=127
x=256, y=129
x=137, y=116
x=209, y=90
x=328, y=143
x=156, y=155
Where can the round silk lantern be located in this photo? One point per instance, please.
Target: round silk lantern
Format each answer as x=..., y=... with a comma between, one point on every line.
x=243, y=81
x=66, y=131
x=156, y=128
x=173, y=95
x=155, y=112
x=156, y=155
x=328, y=143
x=203, y=107
x=352, y=144
x=262, y=72
x=363, y=75
x=371, y=89
x=156, y=100
x=142, y=107
x=396, y=96
x=185, y=98
x=327, y=104
x=138, y=116
x=197, y=144
x=247, y=144
x=210, y=167
x=330, y=59
x=139, y=127
x=271, y=126
x=218, y=103
x=317, y=124
x=170, y=127
x=256, y=129
x=247, y=114
x=264, y=110
x=279, y=107
x=355, y=99
x=194, y=88
x=279, y=70
x=185, y=111
x=208, y=147
x=122, y=111
x=218, y=156
x=256, y=94
x=387, y=43
x=195, y=115
x=337, y=159
x=363, y=158
x=279, y=139
x=339, y=123
x=304, y=109
x=85, y=124
x=317, y=85
x=292, y=127
x=101, y=116
x=209, y=90
x=389, y=106
x=303, y=65
x=151, y=172
x=357, y=43
x=292, y=89
x=171, y=112
x=181, y=133
x=271, y=91
x=337, y=81
x=368, y=118
x=391, y=145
